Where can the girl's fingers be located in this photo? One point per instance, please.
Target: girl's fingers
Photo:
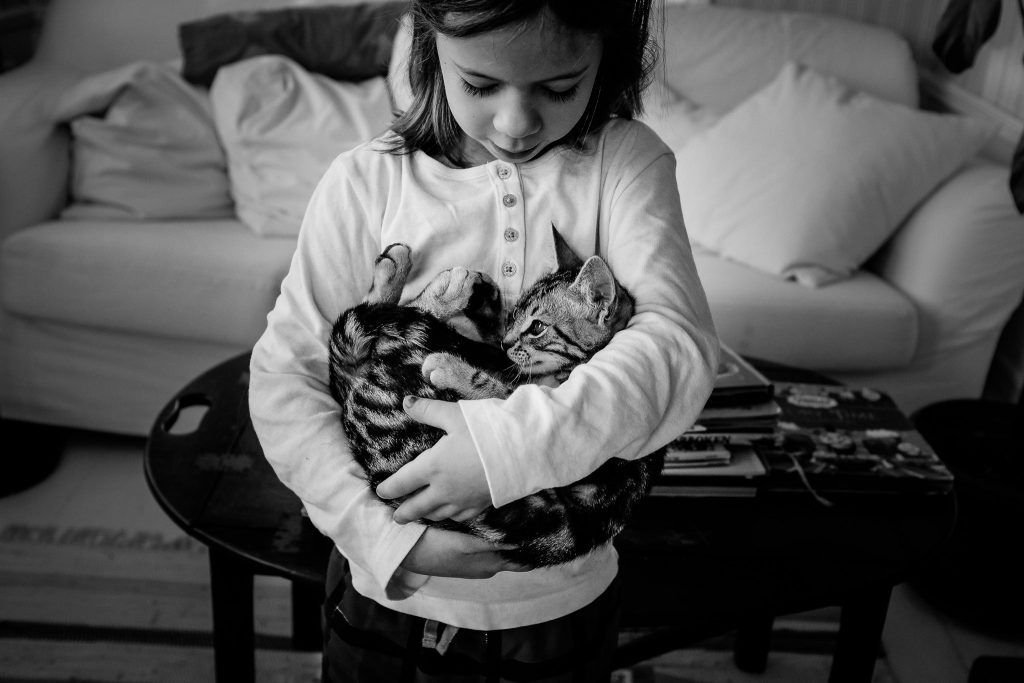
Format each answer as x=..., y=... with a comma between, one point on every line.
x=432, y=412
x=409, y=478
x=466, y=515
x=418, y=506
x=442, y=512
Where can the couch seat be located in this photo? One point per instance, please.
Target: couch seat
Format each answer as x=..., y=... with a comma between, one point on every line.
x=210, y=281
x=861, y=323
x=215, y=281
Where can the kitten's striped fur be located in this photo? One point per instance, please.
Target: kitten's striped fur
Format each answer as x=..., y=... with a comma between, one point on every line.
x=443, y=345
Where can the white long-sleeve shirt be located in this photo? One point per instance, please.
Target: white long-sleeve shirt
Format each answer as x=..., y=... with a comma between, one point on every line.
x=618, y=200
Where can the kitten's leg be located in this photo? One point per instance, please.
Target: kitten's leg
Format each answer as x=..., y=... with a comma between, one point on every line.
x=467, y=300
x=450, y=292
x=446, y=371
x=390, y=271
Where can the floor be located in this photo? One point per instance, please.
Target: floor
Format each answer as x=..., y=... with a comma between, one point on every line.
x=99, y=484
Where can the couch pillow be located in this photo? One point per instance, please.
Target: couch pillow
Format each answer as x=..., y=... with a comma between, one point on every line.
x=673, y=117
x=808, y=177
x=144, y=146
x=398, y=66
x=350, y=42
x=281, y=127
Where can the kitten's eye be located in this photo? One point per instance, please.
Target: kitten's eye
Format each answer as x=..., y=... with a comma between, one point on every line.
x=536, y=328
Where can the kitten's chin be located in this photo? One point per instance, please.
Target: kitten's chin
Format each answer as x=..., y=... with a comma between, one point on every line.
x=547, y=381
x=540, y=368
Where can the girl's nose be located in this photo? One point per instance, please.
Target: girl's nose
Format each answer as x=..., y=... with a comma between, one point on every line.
x=516, y=116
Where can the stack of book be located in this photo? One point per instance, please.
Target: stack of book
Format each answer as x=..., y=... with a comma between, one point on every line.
x=714, y=457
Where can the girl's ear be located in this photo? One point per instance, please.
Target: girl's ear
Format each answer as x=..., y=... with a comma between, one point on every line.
x=596, y=285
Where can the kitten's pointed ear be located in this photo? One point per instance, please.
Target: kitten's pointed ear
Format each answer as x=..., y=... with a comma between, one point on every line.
x=596, y=285
x=565, y=256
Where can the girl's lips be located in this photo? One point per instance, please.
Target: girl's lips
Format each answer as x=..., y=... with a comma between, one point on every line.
x=515, y=156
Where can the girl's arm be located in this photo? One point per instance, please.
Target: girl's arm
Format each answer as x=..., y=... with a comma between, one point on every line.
x=294, y=415
x=642, y=390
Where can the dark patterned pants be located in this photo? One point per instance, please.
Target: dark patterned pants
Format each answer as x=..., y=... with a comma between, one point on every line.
x=365, y=642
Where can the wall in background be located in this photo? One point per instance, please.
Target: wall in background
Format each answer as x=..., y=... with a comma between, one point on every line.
x=993, y=87
x=19, y=30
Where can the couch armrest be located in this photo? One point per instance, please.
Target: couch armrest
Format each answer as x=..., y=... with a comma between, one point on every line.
x=960, y=258
x=34, y=156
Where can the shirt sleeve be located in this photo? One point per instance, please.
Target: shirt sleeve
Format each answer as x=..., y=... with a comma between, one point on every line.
x=294, y=415
x=642, y=390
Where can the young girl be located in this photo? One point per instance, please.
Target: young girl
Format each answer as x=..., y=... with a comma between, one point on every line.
x=519, y=121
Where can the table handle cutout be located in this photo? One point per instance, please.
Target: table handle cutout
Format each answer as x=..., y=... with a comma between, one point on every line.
x=185, y=415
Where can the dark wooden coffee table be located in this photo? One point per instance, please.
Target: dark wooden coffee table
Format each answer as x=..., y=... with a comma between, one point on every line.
x=693, y=567
x=215, y=483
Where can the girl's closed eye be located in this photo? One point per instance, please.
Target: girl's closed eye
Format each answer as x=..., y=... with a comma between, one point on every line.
x=478, y=90
x=562, y=95
x=553, y=94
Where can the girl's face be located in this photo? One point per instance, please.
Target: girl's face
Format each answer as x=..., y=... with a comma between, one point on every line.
x=517, y=90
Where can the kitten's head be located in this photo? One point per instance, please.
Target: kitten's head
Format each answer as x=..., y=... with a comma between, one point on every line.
x=566, y=317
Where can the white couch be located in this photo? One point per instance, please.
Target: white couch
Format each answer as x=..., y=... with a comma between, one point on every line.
x=103, y=320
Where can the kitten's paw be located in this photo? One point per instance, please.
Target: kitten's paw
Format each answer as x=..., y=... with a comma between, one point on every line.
x=390, y=271
x=445, y=371
x=452, y=292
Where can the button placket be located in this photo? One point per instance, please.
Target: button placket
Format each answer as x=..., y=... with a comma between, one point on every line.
x=512, y=250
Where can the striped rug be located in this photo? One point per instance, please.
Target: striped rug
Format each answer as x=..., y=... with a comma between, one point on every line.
x=100, y=603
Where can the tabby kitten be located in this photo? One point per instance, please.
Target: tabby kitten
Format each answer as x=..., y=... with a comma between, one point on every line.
x=442, y=345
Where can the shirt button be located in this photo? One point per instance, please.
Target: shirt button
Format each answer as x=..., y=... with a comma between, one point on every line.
x=509, y=200
x=509, y=269
x=511, y=234
x=504, y=172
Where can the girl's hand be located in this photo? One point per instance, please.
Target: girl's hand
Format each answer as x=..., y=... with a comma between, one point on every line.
x=447, y=553
x=447, y=480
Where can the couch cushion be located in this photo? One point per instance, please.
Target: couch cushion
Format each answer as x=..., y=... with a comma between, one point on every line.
x=281, y=126
x=213, y=281
x=350, y=43
x=857, y=324
x=101, y=34
x=720, y=56
x=144, y=146
x=807, y=178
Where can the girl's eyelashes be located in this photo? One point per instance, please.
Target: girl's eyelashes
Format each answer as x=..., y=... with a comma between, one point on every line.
x=562, y=95
x=553, y=95
x=478, y=91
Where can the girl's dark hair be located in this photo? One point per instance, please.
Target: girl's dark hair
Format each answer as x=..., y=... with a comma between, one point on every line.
x=626, y=63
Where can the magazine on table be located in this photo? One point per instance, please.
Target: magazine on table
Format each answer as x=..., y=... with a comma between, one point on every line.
x=839, y=439
x=814, y=438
